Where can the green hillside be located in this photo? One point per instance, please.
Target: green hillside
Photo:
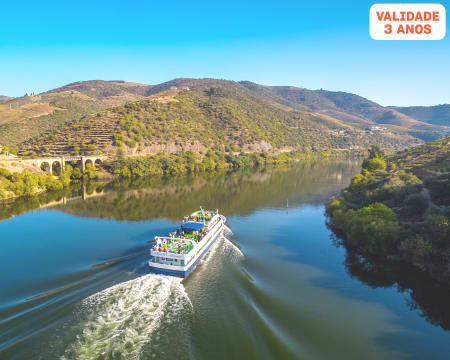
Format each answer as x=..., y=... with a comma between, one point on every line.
x=436, y=115
x=398, y=207
x=212, y=114
x=29, y=116
x=349, y=108
x=89, y=108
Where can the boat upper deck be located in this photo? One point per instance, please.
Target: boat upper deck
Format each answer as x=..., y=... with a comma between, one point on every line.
x=200, y=216
x=193, y=229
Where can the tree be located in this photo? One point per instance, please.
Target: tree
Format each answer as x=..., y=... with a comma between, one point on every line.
x=90, y=171
x=125, y=172
x=374, y=164
x=375, y=152
x=120, y=154
x=416, y=203
x=76, y=174
x=439, y=229
x=416, y=246
x=374, y=229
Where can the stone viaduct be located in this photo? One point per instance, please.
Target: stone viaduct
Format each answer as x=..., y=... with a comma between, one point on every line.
x=48, y=164
x=85, y=195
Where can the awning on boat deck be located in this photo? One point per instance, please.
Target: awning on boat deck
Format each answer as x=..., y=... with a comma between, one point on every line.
x=192, y=225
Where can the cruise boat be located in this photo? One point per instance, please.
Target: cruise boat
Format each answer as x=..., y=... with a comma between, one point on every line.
x=179, y=252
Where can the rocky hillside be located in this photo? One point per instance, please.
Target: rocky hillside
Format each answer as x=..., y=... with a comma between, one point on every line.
x=206, y=114
x=28, y=116
x=353, y=117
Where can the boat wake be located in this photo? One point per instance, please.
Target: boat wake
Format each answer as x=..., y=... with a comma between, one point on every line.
x=234, y=250
x=121, y=319
x=227, y=231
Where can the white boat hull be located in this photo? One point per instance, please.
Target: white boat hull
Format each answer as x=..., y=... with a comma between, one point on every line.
x=203, y=247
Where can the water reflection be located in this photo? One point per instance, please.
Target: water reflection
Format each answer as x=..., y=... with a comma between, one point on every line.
x=426, y=296
x=233, y=194
x=76, y=191
x=91, y=272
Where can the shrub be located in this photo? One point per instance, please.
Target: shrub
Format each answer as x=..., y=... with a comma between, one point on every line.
x=416, y=203
x=374, y=164
x=131, y=143
x=416, y=246
x=439, y=229
x=374, y=228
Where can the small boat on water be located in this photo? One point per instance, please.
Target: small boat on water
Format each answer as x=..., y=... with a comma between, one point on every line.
x=179, y=252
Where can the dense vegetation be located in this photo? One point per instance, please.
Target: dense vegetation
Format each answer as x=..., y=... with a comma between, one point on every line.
x=161, y=164
x=399, y=207
x=189, y=162
x=214, y=115
x=27, y=184
x=243, y=191
x=31, y=116
x=23, y=118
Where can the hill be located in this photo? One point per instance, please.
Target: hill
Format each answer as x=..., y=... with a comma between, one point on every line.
x=31, y=116
x=398, y=208
x=4, y=98
x=211, y=114
x=349, y=108
x=28, y=116
x=436, y=115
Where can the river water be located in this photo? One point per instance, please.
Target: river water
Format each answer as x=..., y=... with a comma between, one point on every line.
x=75, y=284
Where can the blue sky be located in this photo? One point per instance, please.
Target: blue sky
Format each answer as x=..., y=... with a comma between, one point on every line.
x=312, y=44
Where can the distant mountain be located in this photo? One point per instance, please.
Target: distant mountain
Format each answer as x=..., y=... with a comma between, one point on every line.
x=33, y=116
x=28, y=116
x=198, y=115
x=436, y=115
x=4, y=98
x=347, y=107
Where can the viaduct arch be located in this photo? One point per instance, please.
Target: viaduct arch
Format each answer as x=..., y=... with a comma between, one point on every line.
x=51, y=163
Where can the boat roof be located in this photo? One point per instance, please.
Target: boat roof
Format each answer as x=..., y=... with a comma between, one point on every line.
x=193, y=225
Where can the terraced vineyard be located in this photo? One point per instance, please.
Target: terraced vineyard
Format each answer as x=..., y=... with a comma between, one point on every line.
x=30, y=116
x=86, y=136
x=209, y=116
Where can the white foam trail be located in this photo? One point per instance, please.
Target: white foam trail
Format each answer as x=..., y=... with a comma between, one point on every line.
x=122, y=318
x=227, y=230
x=234, y=250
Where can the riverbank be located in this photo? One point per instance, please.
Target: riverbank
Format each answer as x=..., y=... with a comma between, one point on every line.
x=19, y=181
x=28, y=184
x=155, y=190
x=188, y=163
x=398, y=208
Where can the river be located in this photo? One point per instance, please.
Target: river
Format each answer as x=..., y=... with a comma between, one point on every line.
x=75, y=282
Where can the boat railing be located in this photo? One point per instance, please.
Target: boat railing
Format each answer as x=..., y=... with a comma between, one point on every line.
x=174, y=238
x=166, y=254
x=197, y=245
x=169, y=254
